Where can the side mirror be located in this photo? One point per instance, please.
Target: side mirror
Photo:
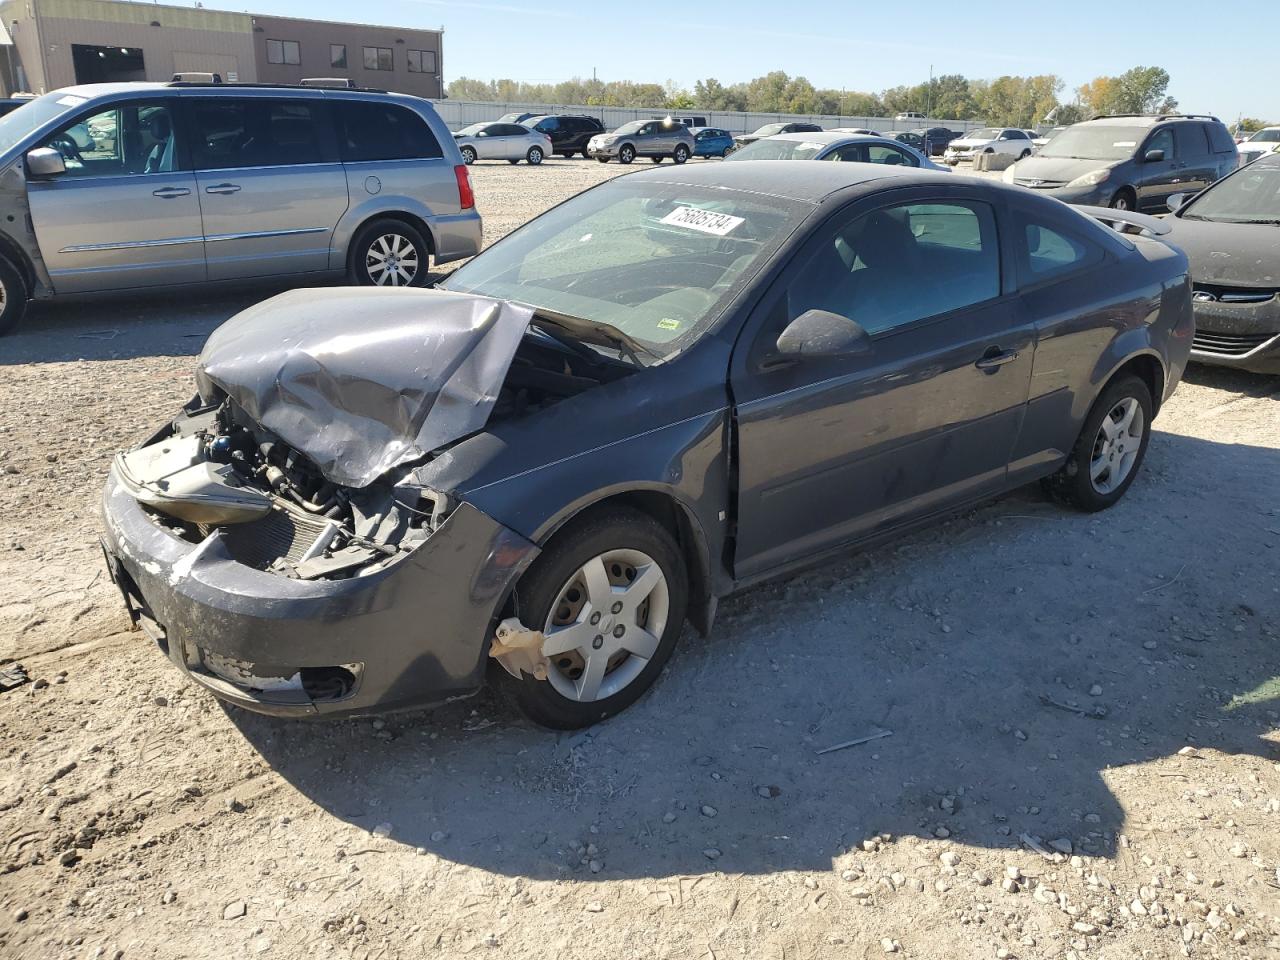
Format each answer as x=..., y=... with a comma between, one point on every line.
x=45, y=162
x=1177, y=201
x=1153, y=156
x=820, y=333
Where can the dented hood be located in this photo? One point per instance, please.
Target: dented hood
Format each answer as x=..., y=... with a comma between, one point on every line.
x=362, y=380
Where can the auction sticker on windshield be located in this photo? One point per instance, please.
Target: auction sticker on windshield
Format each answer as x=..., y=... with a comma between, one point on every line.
x=705, y=221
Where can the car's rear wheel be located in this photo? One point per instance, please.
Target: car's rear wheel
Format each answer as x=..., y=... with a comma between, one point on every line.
x=1112, y=444
x=534, y=156
x=586, y=154
x=1024, y=154
x=13, y=296
x=1124, y=199
x=389, y=253
x=725, y=152
x=627, y=153
x=609, y=594
x=468, y=155
x=681, y=153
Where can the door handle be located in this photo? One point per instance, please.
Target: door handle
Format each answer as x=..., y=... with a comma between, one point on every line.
x=993, y=360
x=168, y=193
x=223, y=188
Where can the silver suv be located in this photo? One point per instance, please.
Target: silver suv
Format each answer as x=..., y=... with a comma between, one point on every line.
x=133, y=185
x=655, y=139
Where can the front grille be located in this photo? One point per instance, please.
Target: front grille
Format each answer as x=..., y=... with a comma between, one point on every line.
x=281, y=534
x=1229, y=344
x=1040, y=184
x=1226, y=294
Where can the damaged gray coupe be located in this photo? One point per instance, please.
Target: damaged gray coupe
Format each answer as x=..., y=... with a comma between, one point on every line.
x=665, y=390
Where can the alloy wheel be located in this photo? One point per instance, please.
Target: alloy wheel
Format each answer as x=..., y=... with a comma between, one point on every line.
x=606, y=624
x=392, y=261
x=1117, y=445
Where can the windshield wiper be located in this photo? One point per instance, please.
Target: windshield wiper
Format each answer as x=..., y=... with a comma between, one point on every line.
x=594, y=331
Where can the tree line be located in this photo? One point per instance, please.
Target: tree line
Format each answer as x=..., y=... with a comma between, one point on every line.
x=1005, y=101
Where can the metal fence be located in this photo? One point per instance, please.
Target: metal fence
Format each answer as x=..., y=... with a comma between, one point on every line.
x=460, y=113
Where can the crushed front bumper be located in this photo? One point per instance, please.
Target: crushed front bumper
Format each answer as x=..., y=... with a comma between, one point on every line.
x=412, y=634
x=1241, y=335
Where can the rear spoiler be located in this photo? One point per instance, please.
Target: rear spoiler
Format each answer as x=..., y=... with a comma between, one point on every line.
x=1122, y=220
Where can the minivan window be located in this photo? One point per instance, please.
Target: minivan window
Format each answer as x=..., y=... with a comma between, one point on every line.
x=1221, y=139
x=382, y=131
x=1161, y=140
x=1095, y=142
x=229, y=133
x=1192, y=140
x=126, y=139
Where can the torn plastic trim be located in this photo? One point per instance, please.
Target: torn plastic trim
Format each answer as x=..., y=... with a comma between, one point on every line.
x=519, y=649
x=361, y=381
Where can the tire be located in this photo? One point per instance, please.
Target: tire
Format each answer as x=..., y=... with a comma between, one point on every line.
x=1024, y=154
x=13, y=296
x=546, y=593
x=725, y=152
x=376, y=242
x=1124, y=199
x=513, y=162
x=1075, y=483
x=657, y=159
x=469, y=155
x=603, y=159
x=534, y=156
x=681, y=153
x=626, y=153
x=586, y=154
x=567, y=156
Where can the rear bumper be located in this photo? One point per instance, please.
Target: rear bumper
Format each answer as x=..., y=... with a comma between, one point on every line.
x=413, y=634
x=456, y=236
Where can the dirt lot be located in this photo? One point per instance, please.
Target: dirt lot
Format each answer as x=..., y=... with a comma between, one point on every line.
x=1084, y=758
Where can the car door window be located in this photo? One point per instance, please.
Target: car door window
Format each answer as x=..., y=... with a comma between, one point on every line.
x=881, y=153
x=124, y=140
x=850, y=152
x=228, y=133
x=870, y=270
x=1161, y=140
x=382, y=131
x=1192, y=142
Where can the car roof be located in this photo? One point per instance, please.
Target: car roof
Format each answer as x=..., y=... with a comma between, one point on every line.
x=802, y=180
x=823, y=136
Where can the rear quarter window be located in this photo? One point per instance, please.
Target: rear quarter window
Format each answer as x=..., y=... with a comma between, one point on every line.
x=369, y=131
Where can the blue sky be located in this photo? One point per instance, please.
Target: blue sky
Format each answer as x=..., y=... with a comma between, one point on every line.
x=835, y=43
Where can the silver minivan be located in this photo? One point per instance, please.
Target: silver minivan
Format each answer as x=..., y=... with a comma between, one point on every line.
x=133, y=185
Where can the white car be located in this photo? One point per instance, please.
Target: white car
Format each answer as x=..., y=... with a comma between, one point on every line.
x=1008, y=140
x=1263, y=141
x=496, y=140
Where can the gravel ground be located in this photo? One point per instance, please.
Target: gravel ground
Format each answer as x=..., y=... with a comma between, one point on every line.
x=1079, y=719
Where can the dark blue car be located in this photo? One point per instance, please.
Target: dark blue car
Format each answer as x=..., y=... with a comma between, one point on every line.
x=711, y=142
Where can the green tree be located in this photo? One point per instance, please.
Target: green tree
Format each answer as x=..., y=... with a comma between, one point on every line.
x=1138, y=90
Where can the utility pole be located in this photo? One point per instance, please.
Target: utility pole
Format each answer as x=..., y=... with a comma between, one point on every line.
x=928, y=96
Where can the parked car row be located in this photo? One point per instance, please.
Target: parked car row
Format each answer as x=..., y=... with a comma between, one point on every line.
x=834, y=145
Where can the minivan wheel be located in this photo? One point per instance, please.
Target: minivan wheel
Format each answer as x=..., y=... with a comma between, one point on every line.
x=534, y=156
x=609, y=594
x=13, y=296
x=627, y=153
x=468, y=155
x=1123, y=200
x=389, y=253
x=681, y=153
x=1112, y=444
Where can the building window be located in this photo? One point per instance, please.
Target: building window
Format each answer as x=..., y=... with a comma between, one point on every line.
x=422, y=61
x=338, y=55
x=378, y=58
x=284, y=51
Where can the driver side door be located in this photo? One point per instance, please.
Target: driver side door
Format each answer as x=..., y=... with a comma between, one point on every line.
x=125, y=213
x=835, y=450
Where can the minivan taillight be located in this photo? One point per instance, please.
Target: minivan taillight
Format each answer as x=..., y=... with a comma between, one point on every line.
x=466, y=197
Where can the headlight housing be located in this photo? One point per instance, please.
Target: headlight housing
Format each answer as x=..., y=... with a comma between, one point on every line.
x=1091, y=179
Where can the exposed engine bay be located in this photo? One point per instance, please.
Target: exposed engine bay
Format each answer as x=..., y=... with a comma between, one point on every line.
x=215, y=471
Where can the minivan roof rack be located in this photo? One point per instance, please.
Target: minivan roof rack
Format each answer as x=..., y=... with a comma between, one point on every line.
x=266, y=86
x=1157, y=116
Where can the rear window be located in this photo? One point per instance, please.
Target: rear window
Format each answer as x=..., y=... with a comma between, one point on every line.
x=383, y=131
x=1219, y=139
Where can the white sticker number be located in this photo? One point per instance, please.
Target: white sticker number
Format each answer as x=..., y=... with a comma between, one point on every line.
x=704, y=221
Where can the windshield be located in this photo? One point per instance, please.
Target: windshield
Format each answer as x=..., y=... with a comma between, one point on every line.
x=1266, y=136
x=1250, y=196
x=632, y=127
x=986, y=133
x=655, y=260
x=769, y=129
x=1104, y=142
x=18, y=124
x=779, y=150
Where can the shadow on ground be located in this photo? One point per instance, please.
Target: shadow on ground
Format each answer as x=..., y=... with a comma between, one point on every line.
x=976, y=643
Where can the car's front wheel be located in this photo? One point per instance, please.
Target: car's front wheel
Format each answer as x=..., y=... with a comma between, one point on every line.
x=389, y=253
x=13, y=296
x=681, y=153
x=534, y=156
x=627, y=153
x=1124, y=199
x=468, y=155
x=1103, y=463
x=609, y=594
